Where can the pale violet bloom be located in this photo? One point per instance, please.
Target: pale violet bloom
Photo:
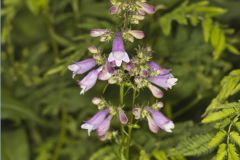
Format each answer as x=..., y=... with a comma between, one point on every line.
x=104, y=126
x=98, y=32
x=160, y=120
x=82, y=66
x=150, y=9
x=164, y=79
x=155, y=91
x=88, y=81
x=152, y=125
x=122, y=116
x=137, y=34
x=106, y=72
x=118, y=54
x=96, y=121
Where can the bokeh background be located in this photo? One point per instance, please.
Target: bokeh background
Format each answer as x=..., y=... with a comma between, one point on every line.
x=42, y=109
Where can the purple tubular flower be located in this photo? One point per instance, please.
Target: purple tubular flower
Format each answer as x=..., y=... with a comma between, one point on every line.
x=88, y=81
x=104, y=126
x=155, y=91
x=106, y=72
x=153, y=66
x=118, y=53
x=96, y=121
x=114, y=9
x=152, y=125
x=137, y=34
x=82, y=66
x=147, y=7
x=98, y=32
x=166, y=81
x=122, y=116
x=160, y=120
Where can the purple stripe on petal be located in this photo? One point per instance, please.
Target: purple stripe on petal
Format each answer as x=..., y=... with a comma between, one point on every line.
x=95, y=121
x=152, y=125
x=82, y=66
x=122, y=116
x=104, y=126
x=88, y=81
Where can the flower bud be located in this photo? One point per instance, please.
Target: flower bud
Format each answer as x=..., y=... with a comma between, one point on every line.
x=96, y=100
x=137, y=112
x=122, y=116
x=98, y=32
x=137, y=34
x=93, y=49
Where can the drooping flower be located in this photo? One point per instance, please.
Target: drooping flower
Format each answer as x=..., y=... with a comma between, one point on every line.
x=164, y=79
x=152, y=125
x=104, y=126
x=137, y=34
x=98, y=32
x=96, y=121
x=118, y=53
x=122, y=116
x=82, y=66
x=89, y=81
x=106, y=72
x=160, y=120
x=155, y=91
x=150, y=9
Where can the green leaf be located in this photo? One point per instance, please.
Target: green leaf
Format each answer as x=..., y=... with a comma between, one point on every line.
x=221, y=154
x=143, y=155
x=233, y=49
x=216, y=116
x=232, y=152
x=165, y=23
x=15, y=143
x=215, y=34
x=207, y=27
x=235, y=137
x=159, y=155
x=217, y=139
x=220, y=45
x=36, y=6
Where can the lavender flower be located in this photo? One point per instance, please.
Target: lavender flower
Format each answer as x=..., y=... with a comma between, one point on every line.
x=122, y=116
x=152, y=125
x=98, y=32
x=106, y=72
x=104, y=126
x=89, y=81
x=82, y=66
x=164, y=79
x=96, y=121
x=160, y=120
x=155, y=91
x=147, y=7
x=118, y=53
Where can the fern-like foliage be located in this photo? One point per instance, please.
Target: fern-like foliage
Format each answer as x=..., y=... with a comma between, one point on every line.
x=225, y=115
x=201, y=13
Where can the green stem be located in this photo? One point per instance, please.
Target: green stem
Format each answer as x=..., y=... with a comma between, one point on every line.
x=121, y=148
x=61, y=139
x=130, y=126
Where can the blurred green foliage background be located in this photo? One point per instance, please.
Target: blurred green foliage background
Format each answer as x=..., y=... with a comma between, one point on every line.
x=41, y=106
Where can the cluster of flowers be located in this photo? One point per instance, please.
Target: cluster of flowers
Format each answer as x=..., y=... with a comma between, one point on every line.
x=118, y=68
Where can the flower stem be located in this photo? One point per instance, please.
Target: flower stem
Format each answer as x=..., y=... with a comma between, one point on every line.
x=130, y=126
x=121, y=148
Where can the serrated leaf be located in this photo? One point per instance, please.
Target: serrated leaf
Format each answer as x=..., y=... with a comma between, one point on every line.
x=235, y=137
x=232, y=152
x=217, y=139
x=216, y=116
x=221, y=153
